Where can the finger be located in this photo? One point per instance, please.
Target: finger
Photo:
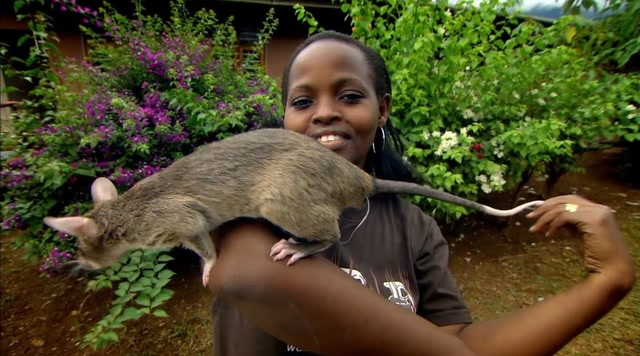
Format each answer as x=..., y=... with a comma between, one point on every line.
x=551, y=203
x=562, y=219
x=551, y=214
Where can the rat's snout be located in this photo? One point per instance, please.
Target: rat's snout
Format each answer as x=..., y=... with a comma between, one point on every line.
x=89, y=263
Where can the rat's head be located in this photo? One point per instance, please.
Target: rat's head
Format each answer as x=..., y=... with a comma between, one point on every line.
x=338, y=90
x=94, y=250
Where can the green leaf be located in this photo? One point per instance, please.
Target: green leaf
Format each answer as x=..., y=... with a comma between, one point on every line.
x=165, y=274
x=129, y=313
x=144, y=300
x=17, y=5
x=85, y=172
x=160, y=313
x=165, y=258
x=158, y=267
x=24, y=38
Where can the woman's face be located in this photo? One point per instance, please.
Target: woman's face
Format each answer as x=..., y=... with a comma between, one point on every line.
x=332, y=98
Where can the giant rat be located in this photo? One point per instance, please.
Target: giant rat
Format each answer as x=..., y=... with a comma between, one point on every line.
x=279, y=175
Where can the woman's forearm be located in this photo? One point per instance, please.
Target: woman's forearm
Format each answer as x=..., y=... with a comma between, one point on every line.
x=546, y=327
x=316, y=306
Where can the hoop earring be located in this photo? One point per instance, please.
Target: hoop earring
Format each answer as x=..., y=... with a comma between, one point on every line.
x=384, y=139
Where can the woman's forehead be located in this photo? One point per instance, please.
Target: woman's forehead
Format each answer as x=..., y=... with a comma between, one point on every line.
x=329, y=58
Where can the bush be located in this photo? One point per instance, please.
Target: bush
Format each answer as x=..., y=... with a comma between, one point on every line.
x=485, y=98
x=151, y=92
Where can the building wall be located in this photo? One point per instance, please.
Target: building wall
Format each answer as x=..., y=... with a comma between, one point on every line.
x=277, y=54
x=72, y=44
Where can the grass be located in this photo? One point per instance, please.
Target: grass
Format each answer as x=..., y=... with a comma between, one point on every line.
x=500, y=286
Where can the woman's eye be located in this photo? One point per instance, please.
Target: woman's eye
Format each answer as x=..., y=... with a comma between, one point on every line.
x=302, y=102
x=351, y=97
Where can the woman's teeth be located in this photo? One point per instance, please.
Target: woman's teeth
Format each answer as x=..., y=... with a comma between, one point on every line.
x=330, y=138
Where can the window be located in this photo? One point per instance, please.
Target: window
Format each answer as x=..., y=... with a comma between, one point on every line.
x=246, y=56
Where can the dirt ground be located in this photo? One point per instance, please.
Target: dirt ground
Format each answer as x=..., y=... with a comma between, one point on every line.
x=499, y=269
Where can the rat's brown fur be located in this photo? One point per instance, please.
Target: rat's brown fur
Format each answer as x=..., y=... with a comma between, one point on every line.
x=279, y=175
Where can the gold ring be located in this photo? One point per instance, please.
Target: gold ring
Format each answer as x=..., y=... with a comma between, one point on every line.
x=572, y=208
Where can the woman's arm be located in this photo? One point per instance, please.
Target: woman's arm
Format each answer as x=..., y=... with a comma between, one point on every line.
x=545, y=327
x=315, y=305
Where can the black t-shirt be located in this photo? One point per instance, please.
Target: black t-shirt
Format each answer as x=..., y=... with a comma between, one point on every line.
x=398, y=251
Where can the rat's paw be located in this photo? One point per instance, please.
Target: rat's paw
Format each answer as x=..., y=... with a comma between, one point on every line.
x=284, y=248
x=205, y=278
x=206, y=272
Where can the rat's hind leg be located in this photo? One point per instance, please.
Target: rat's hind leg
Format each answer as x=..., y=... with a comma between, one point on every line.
x=202, y=244
x=297, y=249
x=315, y=228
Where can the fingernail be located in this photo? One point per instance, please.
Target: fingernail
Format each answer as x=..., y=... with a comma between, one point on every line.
x=529, y=215
x=533, y=228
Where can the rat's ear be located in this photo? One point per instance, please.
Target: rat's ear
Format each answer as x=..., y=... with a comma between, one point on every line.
x=74, y=225
x=102, y=189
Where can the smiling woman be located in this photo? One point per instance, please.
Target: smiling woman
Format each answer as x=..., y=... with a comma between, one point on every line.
x=338, y=91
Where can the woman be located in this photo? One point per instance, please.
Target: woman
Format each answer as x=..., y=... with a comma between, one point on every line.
x=338, y=90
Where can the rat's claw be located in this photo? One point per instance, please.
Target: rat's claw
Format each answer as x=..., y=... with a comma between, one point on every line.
x=284, y=248
x=277, y=247
x=295, y=258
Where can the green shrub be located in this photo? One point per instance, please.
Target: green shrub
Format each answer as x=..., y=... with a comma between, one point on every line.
x=484, y=98
x=151, y=92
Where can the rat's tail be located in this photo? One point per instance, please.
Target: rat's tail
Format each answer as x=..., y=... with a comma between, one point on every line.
x=389, y=186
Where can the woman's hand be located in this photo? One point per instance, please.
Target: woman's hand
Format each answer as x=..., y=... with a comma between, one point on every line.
x=605, y=249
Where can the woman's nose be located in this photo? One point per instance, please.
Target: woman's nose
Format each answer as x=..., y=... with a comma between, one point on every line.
x=325, y=114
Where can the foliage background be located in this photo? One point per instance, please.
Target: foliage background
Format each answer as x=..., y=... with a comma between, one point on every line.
x=149, y=93
x=484, y=99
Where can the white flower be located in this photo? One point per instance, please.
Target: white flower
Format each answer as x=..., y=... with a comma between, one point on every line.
x=463, y=131
x=630, y=107
x=449, y=135
x=468, y=114
x=553, y=94
x=541, y=101
x=481, y=178
x=497, y=180
x=426, y=135
x=449, y=139
x=486, y=188
x=534, y=91
x=436, y=134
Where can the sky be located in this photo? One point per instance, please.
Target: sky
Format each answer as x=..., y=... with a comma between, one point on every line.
x=545, y=8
